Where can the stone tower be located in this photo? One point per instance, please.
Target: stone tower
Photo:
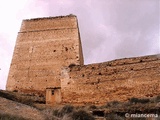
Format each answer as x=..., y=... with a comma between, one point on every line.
x=43, y=47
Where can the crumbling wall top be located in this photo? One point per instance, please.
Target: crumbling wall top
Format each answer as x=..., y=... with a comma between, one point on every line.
x=49, y=23
x=55, y=17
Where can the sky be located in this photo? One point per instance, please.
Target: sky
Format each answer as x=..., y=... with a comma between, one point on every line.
x=109, y=29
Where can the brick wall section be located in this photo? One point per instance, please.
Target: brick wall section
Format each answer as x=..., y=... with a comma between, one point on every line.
x=43, y=46
x=114, y=80
x=39, y=24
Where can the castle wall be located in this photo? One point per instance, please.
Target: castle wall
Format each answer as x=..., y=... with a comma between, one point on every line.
x=43, y=46
x=39, y=24
x=48, y=58
x=109, y=81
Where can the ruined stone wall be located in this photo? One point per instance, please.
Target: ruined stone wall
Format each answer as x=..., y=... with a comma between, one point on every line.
x=42, y=48
x=109, y=81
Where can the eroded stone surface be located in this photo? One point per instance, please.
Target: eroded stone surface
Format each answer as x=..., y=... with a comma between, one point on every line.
x=115, y=80
x=43, y=47
x=48, y=54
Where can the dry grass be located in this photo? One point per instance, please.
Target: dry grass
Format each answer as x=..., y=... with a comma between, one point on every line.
x=110, y=111
x=68, y=112
x=117, y=110
x=10, y=117
x=21, y=98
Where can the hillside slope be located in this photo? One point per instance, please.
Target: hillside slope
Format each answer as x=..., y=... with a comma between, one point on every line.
x=20, y=110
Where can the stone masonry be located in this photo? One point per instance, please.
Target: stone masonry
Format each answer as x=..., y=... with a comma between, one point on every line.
x=48, y=60
x=110, y=81
x=43, y=47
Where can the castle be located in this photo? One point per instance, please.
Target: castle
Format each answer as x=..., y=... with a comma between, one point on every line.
x=48, y=60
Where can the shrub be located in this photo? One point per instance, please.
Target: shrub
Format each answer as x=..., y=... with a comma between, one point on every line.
x=157, y=99
x=114, y=116
x=13, y=97
x=7, y=96
x=10, y=117
x=112, y=104
x=65, y=110
x=81, y=115
x=136, y=100
x=26, y=102
x=92, y=107
x=133, y=100
x=55, y=112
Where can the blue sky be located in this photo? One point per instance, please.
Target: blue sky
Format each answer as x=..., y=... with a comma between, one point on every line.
x=109, y=29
